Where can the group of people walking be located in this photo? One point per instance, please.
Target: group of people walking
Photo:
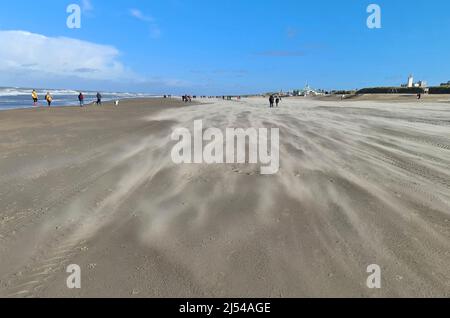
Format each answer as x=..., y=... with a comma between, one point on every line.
x=49, y=98
x=274, y=100
x=187, y=98
x=35, y=96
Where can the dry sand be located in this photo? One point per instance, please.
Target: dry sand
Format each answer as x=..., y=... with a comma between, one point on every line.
x=396, y=98
x=360, y=183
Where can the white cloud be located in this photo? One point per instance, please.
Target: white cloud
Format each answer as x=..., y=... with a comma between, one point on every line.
x=34, y=60
x=140, y=16
x=28, y=53
x=155, y=31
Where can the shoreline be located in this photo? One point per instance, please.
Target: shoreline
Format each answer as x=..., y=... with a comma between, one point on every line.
x=105, y=102
x=395, y=98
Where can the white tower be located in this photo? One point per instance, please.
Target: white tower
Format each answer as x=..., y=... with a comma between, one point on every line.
x=410, y=81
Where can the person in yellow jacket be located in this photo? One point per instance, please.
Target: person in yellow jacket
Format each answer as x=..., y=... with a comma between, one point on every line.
x=49, y=99
x=35, y=97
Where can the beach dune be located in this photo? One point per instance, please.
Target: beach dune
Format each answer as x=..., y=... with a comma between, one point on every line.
x=360, y=183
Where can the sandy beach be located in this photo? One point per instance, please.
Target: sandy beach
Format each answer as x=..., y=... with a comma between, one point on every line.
x=360, y=182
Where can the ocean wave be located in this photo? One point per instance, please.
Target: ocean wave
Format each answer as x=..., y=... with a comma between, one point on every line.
x=12, y=91
x=17, y=97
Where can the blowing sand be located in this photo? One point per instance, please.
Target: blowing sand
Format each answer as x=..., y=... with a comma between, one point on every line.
x=360, y=183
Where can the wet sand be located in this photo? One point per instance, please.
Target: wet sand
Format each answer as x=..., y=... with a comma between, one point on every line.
x=360, y=183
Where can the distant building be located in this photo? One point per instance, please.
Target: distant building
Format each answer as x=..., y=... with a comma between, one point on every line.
x=308, y=91
x=421, y=84
x=410, y=81
x=411, y=84
x=446, y=84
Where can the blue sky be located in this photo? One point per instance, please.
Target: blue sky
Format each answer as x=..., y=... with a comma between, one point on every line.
x=222, y=47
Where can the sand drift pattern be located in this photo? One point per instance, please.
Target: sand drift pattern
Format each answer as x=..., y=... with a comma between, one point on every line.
x=359, y=183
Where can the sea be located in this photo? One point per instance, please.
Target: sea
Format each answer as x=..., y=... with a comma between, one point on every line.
x=14, y=97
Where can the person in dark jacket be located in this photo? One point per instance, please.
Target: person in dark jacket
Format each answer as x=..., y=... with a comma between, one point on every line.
x=271, y=101
x=99, y=99
x=81, y=99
